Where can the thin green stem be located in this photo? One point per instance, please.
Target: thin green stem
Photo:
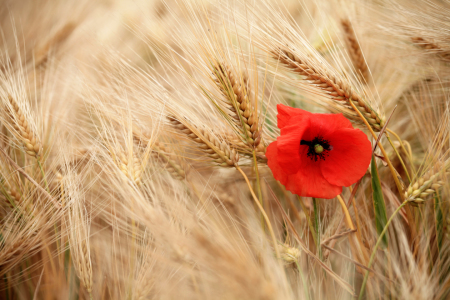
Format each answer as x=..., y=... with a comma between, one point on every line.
x=380, y=238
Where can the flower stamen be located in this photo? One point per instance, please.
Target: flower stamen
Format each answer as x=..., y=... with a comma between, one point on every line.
x=317, y=148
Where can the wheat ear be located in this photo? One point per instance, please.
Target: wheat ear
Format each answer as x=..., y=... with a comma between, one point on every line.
x=131, y=169
x=58, y=38
x=431, y=47
x=17, y=249
x=427, y=185
x=355, y=51
x=163, y=154
x=23, y=129
x=338, y=89
x=79, y=241
x=217, y=150
x=12, y=192
x=238, y=95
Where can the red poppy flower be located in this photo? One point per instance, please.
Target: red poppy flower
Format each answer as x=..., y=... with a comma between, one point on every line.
x=317, y=154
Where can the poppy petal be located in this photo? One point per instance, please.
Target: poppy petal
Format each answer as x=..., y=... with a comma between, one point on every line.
x=311, y=183
x=306, y=183
x=349, y=159
x=286, y=112
x=325, y=125
x=272, y=162
x=288, y=144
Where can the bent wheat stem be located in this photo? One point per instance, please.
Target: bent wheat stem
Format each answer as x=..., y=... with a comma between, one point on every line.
x=269, y=225
x=348, y=220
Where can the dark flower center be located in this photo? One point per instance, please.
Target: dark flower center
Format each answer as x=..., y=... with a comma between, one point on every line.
x=317, y=148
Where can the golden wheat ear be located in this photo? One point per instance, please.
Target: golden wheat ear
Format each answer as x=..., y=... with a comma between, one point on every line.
x=236, y=90
x=337, y=88
x=215, y=148
x=428, y=184
x=163, y=154
x=22, y=129
x=431, y=48
x=355, y=51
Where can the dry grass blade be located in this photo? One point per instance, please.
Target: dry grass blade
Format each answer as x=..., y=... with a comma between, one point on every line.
x=338, y=89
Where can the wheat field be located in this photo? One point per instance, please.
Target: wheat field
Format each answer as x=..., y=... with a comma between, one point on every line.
x=137, y=145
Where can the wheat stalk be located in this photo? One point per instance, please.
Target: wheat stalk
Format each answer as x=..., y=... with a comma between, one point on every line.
x=131, y=168
x=163, y=154
x=355, y=51
x=219, y=151
x=238, y=95
x=23, y=130
x=12, y=192
x=427, y=185
x=79, y=239
x=58, y=38
x=166, y=157
x=338, y=89
x=431, y=47
x=13, y=251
